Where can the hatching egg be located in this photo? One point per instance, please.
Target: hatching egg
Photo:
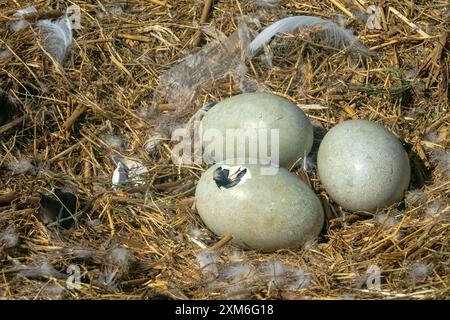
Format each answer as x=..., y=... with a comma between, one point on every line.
x=262, y=208
x=363, y=166
x=258, y=126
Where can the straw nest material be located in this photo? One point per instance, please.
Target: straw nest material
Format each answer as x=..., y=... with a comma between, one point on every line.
x=136, y=242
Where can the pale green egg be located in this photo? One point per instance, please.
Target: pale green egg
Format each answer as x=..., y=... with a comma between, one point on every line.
x=261, y=209
x=263, y=124
x=363, y=166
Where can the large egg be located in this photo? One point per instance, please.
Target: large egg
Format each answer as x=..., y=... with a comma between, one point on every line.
x=261, y=209
x=363, y=166
x=251, y=117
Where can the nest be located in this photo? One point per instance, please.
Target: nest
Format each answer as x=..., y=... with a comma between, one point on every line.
x=146, y=241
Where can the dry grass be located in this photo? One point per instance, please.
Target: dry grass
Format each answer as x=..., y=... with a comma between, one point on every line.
x=66, y=115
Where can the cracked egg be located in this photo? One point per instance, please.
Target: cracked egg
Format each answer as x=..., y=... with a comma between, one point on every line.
x=261, y=209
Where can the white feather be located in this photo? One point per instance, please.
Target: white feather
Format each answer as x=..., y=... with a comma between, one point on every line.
x=275, y=271
x=114, y=141
x=9, y=238
x=332, y=34
x=22, y=23
x=300, y=279
x=385, y=220
x=434, y=208
x=195, y=232
x=270, y=4
x=441, y=158
x=56, y=37
x=53, y=292
x=82, y=253
x=94, y=223
x=418, y=271
x=108, y=277
x=415, y=197
x=237, y=272
x=208, y=260
x=41, y=269
x=5, y=54
x=120, y=257
x=20, y=165
x=153, y=142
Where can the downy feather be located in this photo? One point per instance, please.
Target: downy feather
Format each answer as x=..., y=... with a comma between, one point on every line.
x=22, y=23
x=270, y=4
x=56, y=37
x=330, y=33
